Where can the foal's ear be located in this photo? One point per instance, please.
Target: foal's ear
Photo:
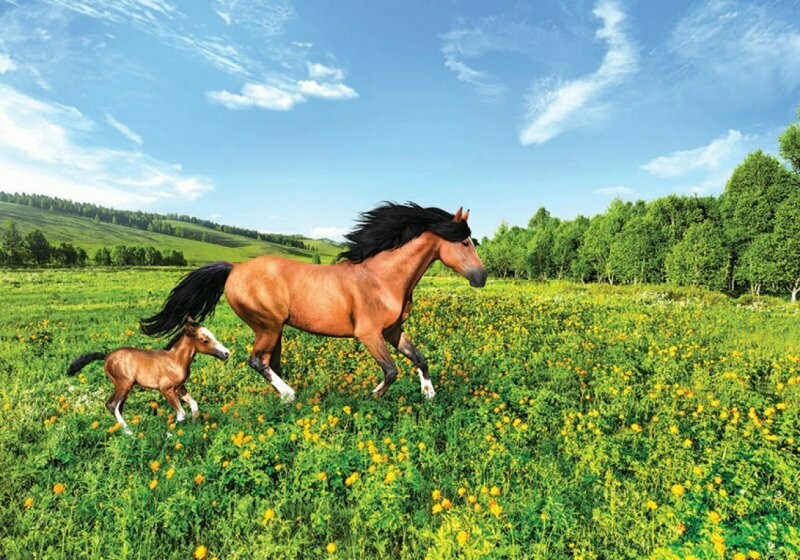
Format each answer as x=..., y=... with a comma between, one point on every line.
x=190, y=326
x=458, y=217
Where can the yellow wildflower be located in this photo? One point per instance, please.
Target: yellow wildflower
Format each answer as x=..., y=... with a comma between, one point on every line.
x=58, y=488
x=153, y=484
x=200, y=552
x=199, y=478
x=331, y=548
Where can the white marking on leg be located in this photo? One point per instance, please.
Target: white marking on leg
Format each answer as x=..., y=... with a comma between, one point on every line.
x=121, y=420
x=181, y=414
x=287, y=393
x=378, y=388
x=193, y=406
x=427, y=386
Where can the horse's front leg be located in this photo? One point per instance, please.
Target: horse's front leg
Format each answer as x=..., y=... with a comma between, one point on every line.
x=377, y=347
x=400, y=340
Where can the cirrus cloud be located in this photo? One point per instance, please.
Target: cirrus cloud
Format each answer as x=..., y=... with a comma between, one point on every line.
x=560, y=106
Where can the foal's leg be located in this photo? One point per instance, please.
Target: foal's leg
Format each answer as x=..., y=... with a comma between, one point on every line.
x=116, y=401
x=187, y=398
x=171, y=394
x=376, y=345
x=261, y=360
x=400, y=340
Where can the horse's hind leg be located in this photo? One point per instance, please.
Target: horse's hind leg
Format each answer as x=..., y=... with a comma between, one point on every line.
x=400, y=340
x=116, y=401
x=187, y=398
x=261, y=360
x=377, y=347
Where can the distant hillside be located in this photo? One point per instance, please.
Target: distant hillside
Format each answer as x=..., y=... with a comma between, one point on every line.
x=91, y=234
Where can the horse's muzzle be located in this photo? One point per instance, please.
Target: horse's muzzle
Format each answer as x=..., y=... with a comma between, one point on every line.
x=222, y=354
x=477, y=277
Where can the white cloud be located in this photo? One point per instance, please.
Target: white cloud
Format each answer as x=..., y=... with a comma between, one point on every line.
x=489, y=90
x=260, y=96
x=563, y=106
x=124, y=130
x=144, y=12
x=48, y=148
x=711, y=157
x=269, y=18
x=619, y=191
x=6, y=64
x=331, y=232
x=750, y=44
x=283, y=94
x=317, y=71
x=311, y=88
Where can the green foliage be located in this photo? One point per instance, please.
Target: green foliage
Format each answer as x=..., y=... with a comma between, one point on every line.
x=699, y=259
x=637, y=253
x=789, y=144
x=570, y=421
x=786, y=254
x=755, y=190
x=12, y=245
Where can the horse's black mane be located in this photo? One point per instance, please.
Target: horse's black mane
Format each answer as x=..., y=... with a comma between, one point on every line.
x=391, y=225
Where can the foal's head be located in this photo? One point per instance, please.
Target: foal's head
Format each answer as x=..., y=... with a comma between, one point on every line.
x=204, y=340
x=461, y=256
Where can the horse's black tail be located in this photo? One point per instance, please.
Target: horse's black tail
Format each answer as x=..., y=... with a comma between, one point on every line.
x=83, y=360
x=195, y=296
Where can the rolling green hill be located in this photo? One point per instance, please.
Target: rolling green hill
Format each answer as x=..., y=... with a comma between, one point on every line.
x=91, y=235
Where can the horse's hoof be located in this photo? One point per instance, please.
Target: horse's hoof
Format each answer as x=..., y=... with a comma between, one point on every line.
x=288, y=397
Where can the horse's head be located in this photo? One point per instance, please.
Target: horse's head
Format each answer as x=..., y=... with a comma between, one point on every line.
x=204, y=340
x=461, y=256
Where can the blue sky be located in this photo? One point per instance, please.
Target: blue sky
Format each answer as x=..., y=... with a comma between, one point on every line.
x=294, y=116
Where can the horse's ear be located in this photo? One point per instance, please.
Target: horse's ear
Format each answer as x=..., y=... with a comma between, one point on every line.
x=458, y=217
x=465, y=217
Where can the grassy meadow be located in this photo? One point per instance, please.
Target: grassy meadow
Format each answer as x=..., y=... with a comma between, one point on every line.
x=91, y=235
x=571, y=421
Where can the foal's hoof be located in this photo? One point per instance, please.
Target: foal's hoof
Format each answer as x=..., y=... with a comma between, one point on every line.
x=428, y=391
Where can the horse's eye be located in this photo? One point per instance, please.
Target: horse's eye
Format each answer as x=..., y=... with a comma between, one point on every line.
x=465, y=243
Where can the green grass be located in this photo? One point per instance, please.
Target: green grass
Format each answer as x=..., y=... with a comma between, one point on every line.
x=571, y=421
x=86, y=233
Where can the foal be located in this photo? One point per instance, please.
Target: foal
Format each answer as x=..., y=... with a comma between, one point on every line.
x=166, y=370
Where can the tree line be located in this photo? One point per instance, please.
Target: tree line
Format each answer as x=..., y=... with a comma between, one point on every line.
x=748, y=238
x=147, y=221
x=33, y=249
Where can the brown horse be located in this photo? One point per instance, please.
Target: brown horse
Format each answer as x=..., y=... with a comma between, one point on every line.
x=166, y=370
x=366, y=295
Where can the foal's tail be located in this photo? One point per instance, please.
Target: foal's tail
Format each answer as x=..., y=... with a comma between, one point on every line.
x=195, y=296
x=83, y=360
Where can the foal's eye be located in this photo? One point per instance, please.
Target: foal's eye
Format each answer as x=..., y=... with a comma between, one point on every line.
x=204, y=341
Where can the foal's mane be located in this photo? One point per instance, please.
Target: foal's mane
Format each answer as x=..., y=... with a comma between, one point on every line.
x=391, y=225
